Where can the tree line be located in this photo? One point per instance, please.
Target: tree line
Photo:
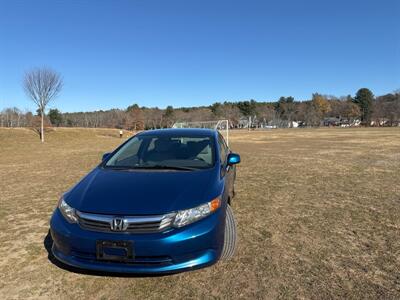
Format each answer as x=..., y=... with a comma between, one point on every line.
x=43, y=85
x=364, y=106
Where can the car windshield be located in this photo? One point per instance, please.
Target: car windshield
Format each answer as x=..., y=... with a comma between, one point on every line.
x=164, y=152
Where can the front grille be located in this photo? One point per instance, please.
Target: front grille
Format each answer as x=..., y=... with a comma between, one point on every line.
x=130, y=224
x=138, y=260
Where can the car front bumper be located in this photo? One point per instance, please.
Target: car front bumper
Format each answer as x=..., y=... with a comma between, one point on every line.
x=191, y=247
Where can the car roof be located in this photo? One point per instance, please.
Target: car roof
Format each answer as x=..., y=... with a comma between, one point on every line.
x=180, y=131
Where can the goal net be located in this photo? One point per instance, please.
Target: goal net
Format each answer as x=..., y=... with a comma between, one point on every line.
x=221, y=125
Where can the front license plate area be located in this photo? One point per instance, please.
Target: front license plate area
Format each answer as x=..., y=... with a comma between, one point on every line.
x=121, y=251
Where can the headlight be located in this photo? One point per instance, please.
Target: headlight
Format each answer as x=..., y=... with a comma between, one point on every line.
x=67, y=211
x=188, y=216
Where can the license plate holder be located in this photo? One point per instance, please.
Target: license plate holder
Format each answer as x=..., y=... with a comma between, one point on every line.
x=120, y=251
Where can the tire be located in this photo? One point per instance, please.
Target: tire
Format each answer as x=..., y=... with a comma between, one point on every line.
x=230, y=239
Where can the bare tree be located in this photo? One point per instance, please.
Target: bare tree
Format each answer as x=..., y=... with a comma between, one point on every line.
x=42, y=85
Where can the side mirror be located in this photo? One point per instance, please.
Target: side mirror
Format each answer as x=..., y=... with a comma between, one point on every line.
x=105, y=156
x=233, y=159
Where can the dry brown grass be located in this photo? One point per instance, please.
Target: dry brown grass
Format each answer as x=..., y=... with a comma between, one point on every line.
x=318, y=217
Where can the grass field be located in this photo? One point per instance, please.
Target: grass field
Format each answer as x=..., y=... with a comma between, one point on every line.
x=318, y=214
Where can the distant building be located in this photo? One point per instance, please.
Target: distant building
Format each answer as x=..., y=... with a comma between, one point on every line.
x=342, y=122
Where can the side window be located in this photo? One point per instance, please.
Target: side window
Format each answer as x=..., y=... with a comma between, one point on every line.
x=223, y=149
x=151, y=145
x=225, y=145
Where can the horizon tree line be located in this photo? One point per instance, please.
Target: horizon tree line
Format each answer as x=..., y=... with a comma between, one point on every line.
x=43, y=85
x=381, y=110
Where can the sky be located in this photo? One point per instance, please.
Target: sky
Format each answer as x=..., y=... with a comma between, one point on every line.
x=113, y=53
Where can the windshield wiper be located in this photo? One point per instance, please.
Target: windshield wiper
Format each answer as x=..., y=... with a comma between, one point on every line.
x=164, y=167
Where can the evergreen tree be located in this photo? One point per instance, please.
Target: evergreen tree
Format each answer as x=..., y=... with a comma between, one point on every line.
x=364, y=99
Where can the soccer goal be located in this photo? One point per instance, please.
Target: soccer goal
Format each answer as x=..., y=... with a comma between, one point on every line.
x=221, y=125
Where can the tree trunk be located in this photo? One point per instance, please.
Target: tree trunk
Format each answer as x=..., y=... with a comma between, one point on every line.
x=41, y=127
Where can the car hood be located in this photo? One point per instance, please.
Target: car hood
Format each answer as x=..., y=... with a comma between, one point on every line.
x=141, y=192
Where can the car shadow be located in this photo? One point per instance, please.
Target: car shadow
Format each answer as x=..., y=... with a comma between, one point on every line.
x=48, y=244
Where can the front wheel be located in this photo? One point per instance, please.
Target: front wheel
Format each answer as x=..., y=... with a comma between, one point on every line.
x=230, y=239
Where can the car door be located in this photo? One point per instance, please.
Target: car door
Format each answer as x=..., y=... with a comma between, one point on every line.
x=227, y=172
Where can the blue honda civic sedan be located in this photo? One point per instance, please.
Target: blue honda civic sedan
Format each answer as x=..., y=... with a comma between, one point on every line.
x=159, y=203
